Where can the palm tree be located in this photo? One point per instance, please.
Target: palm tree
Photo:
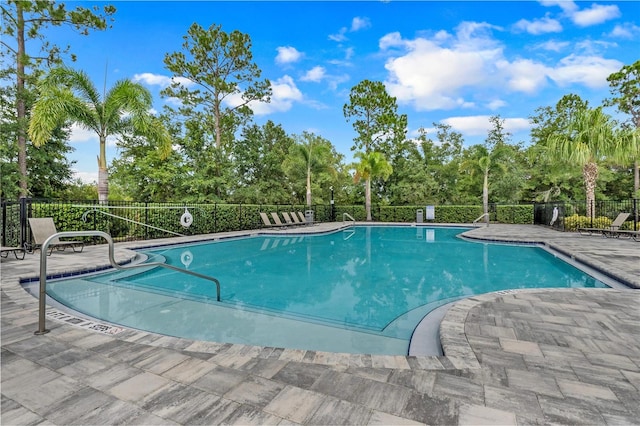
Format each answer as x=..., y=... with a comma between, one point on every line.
x=371, y=165
x=312, y=152
x=485, y=162
x=68, y=96
x=590, y=137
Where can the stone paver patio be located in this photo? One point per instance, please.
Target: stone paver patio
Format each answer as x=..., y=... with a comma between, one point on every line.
x=562, y=356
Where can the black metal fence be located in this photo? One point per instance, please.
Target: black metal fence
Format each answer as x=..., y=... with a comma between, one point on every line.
x=129, y=221
x=570, y=215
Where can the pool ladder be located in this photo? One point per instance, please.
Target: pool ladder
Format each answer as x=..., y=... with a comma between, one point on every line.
x=43, y=269
x=347, y=215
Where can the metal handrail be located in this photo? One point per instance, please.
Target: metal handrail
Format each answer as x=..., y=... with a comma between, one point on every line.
x=347, y=215
x=43, y=268
x=483, y=215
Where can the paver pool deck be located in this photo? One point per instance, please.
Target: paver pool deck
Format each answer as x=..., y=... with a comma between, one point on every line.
x=560, y=356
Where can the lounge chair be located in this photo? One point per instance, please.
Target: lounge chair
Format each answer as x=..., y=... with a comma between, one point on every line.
x=4, y=252
x=296, y=219
x=277, y=220
x=42, y=228
x=267, y=222
x=304, y=219
x=626, y=233
x=615, y=226
x=292, y=220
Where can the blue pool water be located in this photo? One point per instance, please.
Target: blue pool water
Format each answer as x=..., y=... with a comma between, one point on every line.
x=361, y=290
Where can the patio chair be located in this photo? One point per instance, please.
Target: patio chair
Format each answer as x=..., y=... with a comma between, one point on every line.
x=626, y=233
x=4, y=252
x=267, y=223
x=304, y=220
x=615, y=226
x=288, y=219
x=296, y=218
x=277, y=220
x=42, y=228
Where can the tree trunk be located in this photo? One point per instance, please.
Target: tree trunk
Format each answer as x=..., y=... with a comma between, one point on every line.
x=485, y=197
x=367, y=199
x=636, y=177
x=309, y=189
x=590, y=174
x=20, y=106
x=103, y=174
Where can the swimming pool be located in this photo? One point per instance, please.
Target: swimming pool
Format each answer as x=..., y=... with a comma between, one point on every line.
x=361, y=290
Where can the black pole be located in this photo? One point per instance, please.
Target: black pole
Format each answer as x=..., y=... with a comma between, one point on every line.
x=333, y=212
x=23, y=222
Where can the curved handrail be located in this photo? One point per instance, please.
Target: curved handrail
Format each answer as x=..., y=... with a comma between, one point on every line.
x=112, y=261
x=483, y=215
x=347, y=215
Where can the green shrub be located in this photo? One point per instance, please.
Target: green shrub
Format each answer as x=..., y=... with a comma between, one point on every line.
x=573, y=222
x=521, y=214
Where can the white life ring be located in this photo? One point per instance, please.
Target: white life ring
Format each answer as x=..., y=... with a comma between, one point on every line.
x=186, y=258
x=555, y=216
x=186, y=220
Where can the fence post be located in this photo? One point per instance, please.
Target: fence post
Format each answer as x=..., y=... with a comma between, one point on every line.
x=23, y=221
x=635, y=214
x=4, y=223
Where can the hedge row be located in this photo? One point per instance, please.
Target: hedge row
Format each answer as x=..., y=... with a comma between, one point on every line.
x=210, y=218
x=521, y=214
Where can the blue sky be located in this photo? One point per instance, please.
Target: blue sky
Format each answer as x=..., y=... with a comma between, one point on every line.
x=449, y=62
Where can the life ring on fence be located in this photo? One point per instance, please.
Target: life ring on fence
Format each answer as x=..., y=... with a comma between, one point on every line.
x=186, y=219
x=186, y=258
x=554, y=217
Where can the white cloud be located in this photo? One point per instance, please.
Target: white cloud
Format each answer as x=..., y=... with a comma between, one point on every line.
x=173, y=101
x=627, y=30
x=553, y=46
x=287, y=55
x=315, y=74
x=524, y=75
x=539, y=26
x=440, y=73
x=391, y=40
x=85, y=177
x=348, y=53
x=471, y=125
x=515, y=125
x=479, y=125
x=597, y=14
x=429, y=76
x=566, y=5
x=359, y=23
x=160, y=80
x=335, y=80
x=496, y=104
x=591, y=71
x=339, y=36
x=80, y=135
x=284, y=94
x=594, y=15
